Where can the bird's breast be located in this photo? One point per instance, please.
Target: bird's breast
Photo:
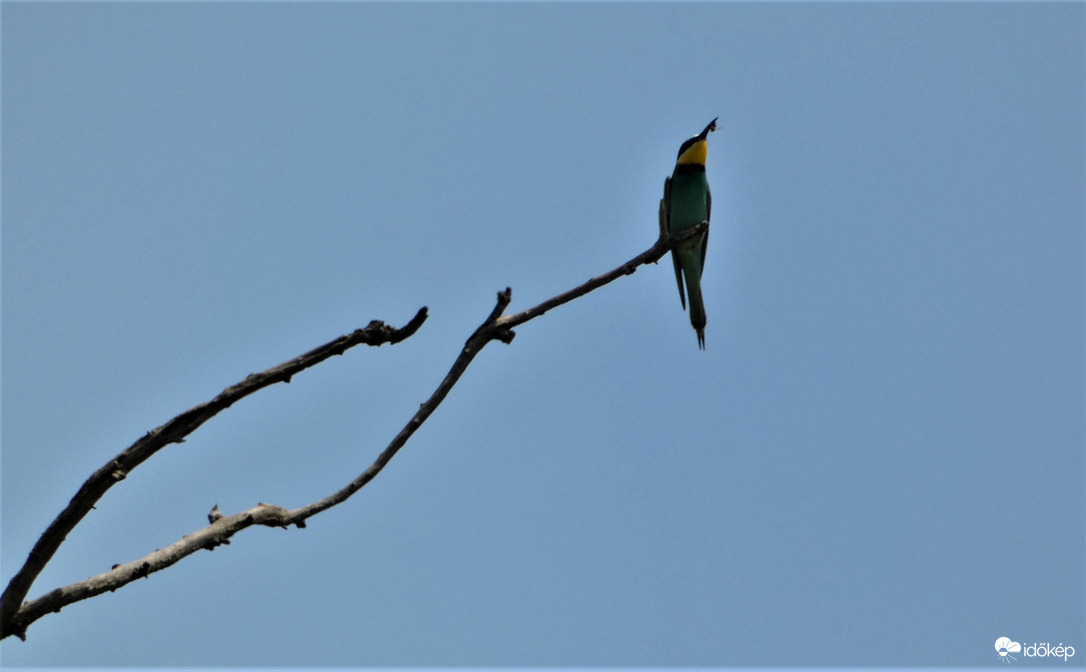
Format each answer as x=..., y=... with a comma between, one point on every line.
x=689, y=204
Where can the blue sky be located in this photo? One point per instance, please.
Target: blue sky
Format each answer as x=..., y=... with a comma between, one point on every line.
x=878, y=460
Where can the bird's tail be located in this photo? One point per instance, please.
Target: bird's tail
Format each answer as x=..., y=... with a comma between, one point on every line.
x=697, y=308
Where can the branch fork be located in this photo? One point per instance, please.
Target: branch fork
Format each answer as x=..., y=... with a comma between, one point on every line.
x=16, y=615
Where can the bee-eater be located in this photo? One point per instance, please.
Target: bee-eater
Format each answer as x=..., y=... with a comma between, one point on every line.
x=687, y=203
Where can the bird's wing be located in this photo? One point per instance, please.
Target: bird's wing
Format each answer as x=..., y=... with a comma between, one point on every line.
x=663, y=208
x=708, y=215
x=679, y=278
x=665, y=231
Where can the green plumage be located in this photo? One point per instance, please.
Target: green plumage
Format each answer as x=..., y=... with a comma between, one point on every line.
x=687, y=203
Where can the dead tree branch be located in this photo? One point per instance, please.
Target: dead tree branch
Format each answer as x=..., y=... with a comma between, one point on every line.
x=174, y=431
x=16, y=616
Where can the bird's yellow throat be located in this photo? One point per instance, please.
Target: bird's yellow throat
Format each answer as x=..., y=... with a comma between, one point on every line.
x=695, y=153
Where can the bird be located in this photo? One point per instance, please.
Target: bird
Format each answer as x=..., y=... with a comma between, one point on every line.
x=687, y=203
x=214, y=515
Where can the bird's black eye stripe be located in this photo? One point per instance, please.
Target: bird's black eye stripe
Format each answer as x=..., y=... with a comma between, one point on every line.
x=686, y=145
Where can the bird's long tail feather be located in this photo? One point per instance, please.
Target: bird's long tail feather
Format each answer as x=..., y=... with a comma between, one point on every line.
x=697, y=308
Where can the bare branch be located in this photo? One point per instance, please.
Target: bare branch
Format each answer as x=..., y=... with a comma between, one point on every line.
x=649, y=256
x=174, y=431
x=486, y=332
x=495, y=327
x=208, y=538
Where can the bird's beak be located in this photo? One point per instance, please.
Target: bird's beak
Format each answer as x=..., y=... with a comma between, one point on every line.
x=708, y=129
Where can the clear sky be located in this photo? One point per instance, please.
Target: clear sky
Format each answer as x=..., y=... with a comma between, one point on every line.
x=878, y=460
